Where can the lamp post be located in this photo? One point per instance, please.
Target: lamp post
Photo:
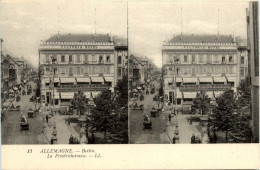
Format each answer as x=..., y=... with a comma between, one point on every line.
x=54, y=133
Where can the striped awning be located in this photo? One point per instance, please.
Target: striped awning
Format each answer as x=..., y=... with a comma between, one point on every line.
x=210, y=94
x=69, y=95
x=231, y=79
x=95, y=94
x=109, y=79
x=87, y=94
x=83, y=80
x=56, y=96
x=190, y=79
x=97, y=79
x=206, y=79
x=56, y=80
x=67, y=80
x=178, y=79
x=189, y=95
x=219, y=79
x=217, y=93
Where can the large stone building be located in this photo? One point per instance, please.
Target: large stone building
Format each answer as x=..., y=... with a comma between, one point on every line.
x=121, y=55
x=201, y=62
x=76, y=62
x=136, y=72
x=253, y=55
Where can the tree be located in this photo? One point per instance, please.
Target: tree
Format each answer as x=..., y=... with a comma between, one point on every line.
x=79, y=102
x=103, y=113
x=244, y=96
x=241, y=129
x=202, y=103
x=222, y=117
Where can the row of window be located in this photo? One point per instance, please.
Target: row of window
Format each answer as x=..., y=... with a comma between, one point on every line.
x=81, y=70
x=204, y=58
x=78, y=58
x=201, y=70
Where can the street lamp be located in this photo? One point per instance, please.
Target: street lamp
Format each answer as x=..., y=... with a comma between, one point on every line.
x=54, y=133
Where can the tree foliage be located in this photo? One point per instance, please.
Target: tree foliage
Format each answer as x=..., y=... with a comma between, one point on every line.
x=79, y=102
x=244, y=93
x=223, y=112
x=202, y=103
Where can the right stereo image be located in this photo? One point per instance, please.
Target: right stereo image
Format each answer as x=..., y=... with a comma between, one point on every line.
x=193, y=72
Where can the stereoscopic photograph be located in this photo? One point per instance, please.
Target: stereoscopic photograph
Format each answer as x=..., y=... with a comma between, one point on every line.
x=64, y=72
x=119, y=72
x=193, y=72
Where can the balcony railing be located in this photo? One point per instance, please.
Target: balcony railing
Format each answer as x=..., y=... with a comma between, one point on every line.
x=85, y=87
x=205, y=87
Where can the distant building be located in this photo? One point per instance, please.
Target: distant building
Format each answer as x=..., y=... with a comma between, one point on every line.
x=205, y=62
x=136, y=72
x=253, y=55
x=243, y=61
x=82, y=62
x=121, y=56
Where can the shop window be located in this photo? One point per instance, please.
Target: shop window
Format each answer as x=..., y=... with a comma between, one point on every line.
x=56, y=101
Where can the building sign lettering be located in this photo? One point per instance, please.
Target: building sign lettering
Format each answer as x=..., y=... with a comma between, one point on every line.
x=201, y=47
x=79, y=47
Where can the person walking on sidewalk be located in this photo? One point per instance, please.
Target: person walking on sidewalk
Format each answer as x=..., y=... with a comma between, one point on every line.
x=170, y=117
x=47, y=118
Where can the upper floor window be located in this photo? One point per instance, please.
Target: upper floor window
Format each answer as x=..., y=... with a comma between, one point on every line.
x=185, y=59
x=86, y=58
x=93, y=58
x=193, y=58
x=108, y=58
x=108, y=69
x=200, y=59
x=78, y=59
x=100, y=58
x=230, y=59
x=63, y=58
x=209, y=58
x=119, y=72
x=47, y=58
x=178, y=71
x=242, y=60
x=70, y=58
x=242, y=72
x=223, y=59
x=119, y=60
x=55, y=70
x=70, y=71
x=78, y=70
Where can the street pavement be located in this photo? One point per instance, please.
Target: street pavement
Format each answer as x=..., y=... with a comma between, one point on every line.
x=162, y=131
x=11, y=133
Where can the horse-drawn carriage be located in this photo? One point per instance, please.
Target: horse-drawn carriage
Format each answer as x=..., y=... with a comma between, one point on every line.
x=147, y=122
x=24, y=124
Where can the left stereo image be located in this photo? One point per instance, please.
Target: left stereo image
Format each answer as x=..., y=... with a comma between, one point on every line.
x=64, y=74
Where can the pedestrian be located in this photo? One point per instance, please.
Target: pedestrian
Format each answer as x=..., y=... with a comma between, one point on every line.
x=193, y=138
x=170, y=117
x=173, y=139
x=93, y=138
x=47, y=118
x=71, y=139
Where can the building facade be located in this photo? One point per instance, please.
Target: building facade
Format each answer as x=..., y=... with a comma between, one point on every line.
x=136, y=72
x=199, y=62
x=121, y=56
x=253, y=54
x=76, y=62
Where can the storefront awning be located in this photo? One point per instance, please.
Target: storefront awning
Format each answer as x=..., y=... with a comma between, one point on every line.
x=217, y=93
x=56, y=80
x=189, y=95
x=69, y=95
x=109, y=79
x=206, y=79
x=87, y=94
x=178, y=79
x=95, y=94
x=97, y=79
x=56, y=96
x=83, y=80
x=231, y=79
x=210, y=94
x=190, y=80
x=179, y=95
x=67, y=80
x=219, y=79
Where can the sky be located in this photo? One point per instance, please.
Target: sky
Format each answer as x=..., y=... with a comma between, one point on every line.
x=25, y=23
x=152, y=23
